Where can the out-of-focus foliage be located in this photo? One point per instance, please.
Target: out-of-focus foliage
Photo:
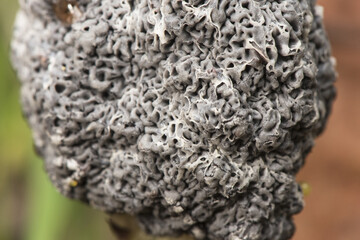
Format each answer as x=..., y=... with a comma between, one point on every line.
x=30, y=208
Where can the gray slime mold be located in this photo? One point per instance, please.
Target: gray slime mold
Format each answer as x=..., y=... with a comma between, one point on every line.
x=192, y=115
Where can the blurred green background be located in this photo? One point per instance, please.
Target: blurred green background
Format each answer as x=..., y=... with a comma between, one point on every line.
x=30, y=208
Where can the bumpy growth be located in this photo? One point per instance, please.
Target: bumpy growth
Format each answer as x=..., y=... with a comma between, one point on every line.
x=193, y=115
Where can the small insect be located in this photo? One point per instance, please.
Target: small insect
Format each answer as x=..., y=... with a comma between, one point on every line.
x=73, y=183
x=305, y=187
x=67, y=11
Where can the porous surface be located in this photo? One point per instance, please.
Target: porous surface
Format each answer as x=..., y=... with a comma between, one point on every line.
x=192, y=115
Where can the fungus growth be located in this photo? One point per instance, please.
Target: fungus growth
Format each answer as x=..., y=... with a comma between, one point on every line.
x=192, y=115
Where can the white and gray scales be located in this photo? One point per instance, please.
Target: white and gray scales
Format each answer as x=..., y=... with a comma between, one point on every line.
x=192, y=115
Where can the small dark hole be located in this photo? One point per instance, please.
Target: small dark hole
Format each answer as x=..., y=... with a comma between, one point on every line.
x=105, y=95
x=59, y=88
x=163, y=137
x=245, y=5
x=100, y=76
x=56, y=122
x=172, y=128
x=264, y=197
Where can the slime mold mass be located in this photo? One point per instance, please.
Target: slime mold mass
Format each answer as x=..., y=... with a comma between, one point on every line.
x=192, y=115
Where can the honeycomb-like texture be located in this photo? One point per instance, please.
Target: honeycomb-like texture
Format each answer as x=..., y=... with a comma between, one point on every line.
x=192, y=115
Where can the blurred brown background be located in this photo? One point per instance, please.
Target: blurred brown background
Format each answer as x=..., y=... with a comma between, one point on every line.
x=30, y=208
x=332, y=210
